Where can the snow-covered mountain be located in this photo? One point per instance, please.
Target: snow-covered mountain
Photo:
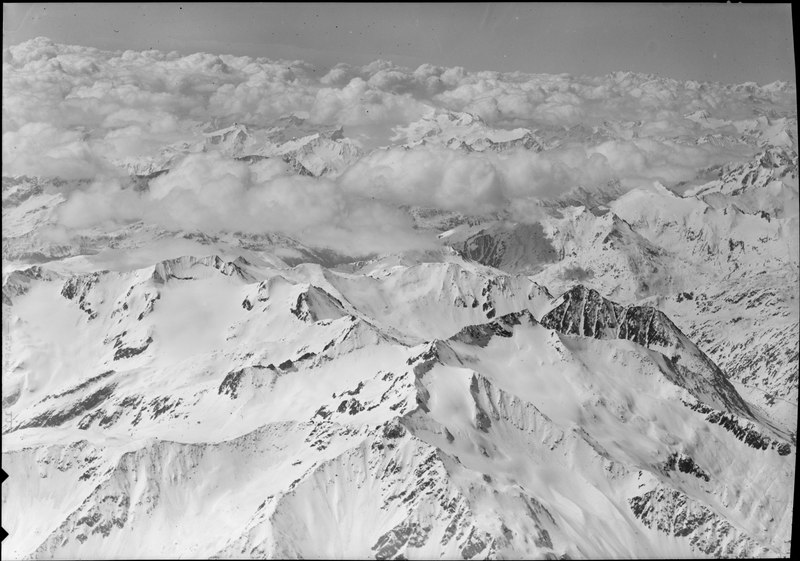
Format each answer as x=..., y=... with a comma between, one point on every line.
x=397, y=407
x=435, y=415
x=767, y=185
x=467, y=132
x=420, y=315
x=309, y=149
x=729, y=274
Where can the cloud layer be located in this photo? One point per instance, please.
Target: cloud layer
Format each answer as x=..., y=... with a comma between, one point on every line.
x=77, y=112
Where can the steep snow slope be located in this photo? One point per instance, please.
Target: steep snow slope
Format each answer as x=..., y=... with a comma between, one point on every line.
x=604, y=397
x=211, y=407
x=431, y=300
x=410, y=405
x=205, y=393
x=750, y=328
x=768, y=184
x=453, y=448
x=727, y=273
x=583, y=311
x=742, y=305
x=572, y=244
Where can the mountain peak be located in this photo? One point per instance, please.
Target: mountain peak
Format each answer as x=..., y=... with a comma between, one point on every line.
x=503, y=326
x=584, y=312
x=190, y=267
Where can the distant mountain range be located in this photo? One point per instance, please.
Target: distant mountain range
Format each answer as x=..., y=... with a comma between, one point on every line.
x=615, y=377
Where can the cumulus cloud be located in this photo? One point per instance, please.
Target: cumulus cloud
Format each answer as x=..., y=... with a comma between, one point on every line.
x=42, y=149
x=486, y=182
x=208, y=192
x=360, y=102
x=81, y=113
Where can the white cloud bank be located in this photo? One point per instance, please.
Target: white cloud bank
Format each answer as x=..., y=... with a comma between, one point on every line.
x=73, y=111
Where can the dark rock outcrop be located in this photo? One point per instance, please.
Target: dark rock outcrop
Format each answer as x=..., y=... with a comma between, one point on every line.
x=584, y=312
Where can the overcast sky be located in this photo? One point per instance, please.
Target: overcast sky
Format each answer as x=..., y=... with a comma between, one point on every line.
x=709, y=42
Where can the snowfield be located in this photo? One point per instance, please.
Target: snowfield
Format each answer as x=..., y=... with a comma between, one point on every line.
x=265, y=338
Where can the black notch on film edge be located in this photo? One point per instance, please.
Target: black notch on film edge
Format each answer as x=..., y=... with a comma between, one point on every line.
x=3, y=477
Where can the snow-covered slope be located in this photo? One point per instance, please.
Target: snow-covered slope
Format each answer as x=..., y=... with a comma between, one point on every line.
x=741, y=304
x=767, y=185
x=573, y=244
x=308, y=148
x=255, y=396
x=422, y=314
x=465, y=131
x=295, y=427
x=728, y=274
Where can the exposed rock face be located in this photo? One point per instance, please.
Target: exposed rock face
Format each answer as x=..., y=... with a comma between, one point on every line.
x=501, y=327
x=582, y=311
x=509, y=247
x=164, y=396
x=18, y=282
x=329, y=401
x=676, y=514
x=181, y=268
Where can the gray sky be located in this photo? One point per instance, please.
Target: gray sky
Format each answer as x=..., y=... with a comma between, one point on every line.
x=709, y=42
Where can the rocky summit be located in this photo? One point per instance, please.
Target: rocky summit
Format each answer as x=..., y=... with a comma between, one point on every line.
x=256, y=310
